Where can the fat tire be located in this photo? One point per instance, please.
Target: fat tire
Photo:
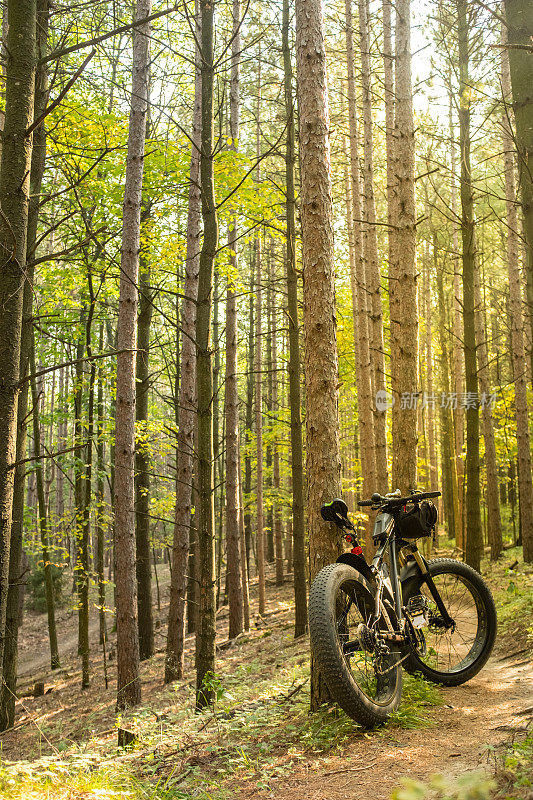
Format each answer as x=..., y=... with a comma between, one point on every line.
x=448, y=566
x=328, y=652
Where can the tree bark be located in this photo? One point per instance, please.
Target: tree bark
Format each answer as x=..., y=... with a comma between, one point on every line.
x=474, y=536
x=297, y=467
x=129, y=684
x=373, y=275
x=494, y=523
x=359, y=290
x=185, y=449
x=402, y=267
x=519, y=16
x=321, y=362
x=16, y=566
x=258, y=368
x=43, y=520
x=518, y=353
x=14, y=199
x=205, y=634
x=233, y=511
x=142, y=452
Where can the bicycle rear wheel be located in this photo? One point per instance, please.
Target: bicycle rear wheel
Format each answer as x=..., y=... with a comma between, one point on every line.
x=454, y=655
x=365, y=681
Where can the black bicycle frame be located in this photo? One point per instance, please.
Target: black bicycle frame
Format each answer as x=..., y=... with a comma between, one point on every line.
x=385, y=535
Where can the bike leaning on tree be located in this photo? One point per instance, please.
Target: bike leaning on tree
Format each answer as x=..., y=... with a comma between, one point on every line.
x=368, y=620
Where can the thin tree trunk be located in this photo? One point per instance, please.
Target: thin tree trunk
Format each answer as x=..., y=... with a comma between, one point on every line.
x=129, y=684
x=205, y=634
x=402, y=267
x=458, y=354
x=276, y=477
x=518, y=354
x=373, y=275
x=297, y=470
x=249, y=419
x=321, y=361
x=185, y=449
x=142, y=452
x=43, y=520
x=474, y=535
x=14, y=198
x=258, y=368
x=100, y=494
x=244, y=566
x=80, y=498
x=494, y=523
x=359, y=290
x=233, y=510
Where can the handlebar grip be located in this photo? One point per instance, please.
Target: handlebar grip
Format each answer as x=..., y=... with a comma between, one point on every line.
x=364, y=502
x=432, y=494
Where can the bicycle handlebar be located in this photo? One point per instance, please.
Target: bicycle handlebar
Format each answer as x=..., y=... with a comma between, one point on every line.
x=378, y=499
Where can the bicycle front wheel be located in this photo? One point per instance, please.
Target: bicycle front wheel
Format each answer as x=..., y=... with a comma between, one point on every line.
x=364, y=679
x=454, y=655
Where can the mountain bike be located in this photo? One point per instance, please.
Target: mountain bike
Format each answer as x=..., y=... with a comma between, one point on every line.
x=368, y=620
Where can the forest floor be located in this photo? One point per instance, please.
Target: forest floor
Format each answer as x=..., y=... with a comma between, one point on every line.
x=259, y=739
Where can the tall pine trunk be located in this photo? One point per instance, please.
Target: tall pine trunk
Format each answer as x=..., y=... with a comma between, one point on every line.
x=235, y=595
x=43, y=518
x=359, y=290
x=519, y=16
x=474, y=536
x=185, y=449
x=16, y=569
x=373, y=275
x=129, y=684
x=142, y=452
x=14, y=199
x=297, y=469
x=402, y=266
x=205, y=634
x=518, y=353
x=321, y=363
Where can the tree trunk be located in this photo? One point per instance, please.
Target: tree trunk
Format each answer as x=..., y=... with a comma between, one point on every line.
x=205, y=634
x=297, y=470
x=373, y=275
x=43, y=519
x=185, y=449
x=14, y=199
x=321, y=364
x=249, y=420
x=276, y=477
x=402, y=267
x=142, y=452
x=258, y=368
x=129, y=684
x=494, y=523
x=518, y=354
x=474, y=536
x=16, y=567
x=359, y=290
x=233, y=511
x=80, y=496
x=519, y=16
x=100, y=495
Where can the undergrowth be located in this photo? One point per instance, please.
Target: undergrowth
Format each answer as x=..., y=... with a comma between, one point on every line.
x=256, y=732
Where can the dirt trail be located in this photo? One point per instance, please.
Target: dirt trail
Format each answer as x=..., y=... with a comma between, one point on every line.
x=485, y=711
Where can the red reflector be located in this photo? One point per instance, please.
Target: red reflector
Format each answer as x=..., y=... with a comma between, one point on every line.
x=358, y=551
